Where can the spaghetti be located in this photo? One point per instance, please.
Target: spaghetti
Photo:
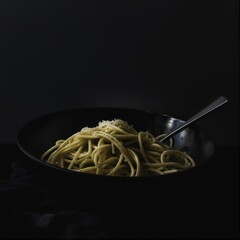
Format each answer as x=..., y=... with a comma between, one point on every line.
x=114, y=148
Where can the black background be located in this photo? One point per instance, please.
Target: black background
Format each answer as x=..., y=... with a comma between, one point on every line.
x=172, y=57
x=167, y=56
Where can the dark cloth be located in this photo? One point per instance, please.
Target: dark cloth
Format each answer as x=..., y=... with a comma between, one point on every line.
x=29, y=210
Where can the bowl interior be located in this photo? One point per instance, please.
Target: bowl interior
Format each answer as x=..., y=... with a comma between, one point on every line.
x=40, y=134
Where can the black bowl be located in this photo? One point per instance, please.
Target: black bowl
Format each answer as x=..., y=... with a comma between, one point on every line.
x=40, y=134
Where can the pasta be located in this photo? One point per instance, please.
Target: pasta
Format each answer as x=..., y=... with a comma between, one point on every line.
x=114, y=148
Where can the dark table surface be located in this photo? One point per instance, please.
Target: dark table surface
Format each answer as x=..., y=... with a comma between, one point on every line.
x=209, y=209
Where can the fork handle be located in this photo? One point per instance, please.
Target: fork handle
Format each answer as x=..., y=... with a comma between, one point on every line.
x=212, y=106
